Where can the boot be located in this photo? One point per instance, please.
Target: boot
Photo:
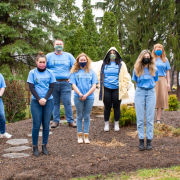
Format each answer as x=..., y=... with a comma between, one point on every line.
x=44, y=149
x=86, y=139
x=80, y=140
x=116, y=126
x=141, y=144
x=35, y=151
x=106, y=126
x=149, y=146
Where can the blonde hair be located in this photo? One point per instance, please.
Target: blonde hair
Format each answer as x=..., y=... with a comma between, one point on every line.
x=163, y=55
x=76, y=66
x=139, y=65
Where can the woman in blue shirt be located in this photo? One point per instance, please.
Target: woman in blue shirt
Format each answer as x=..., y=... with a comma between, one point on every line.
x=145, y=76
x=3, y=133
x=83, y=81
x=163, y=85
x=41, y=84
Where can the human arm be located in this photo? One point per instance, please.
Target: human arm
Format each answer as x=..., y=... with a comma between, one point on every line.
x=83, y=98
x=2, y=91
x=168, y=80
x=76, y=90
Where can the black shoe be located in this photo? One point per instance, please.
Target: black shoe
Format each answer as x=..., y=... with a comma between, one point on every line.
x=141, y=144
x=35, y=151
x=44, y=149
x=149, y=146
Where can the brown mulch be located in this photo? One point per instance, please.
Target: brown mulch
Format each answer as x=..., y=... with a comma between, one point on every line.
x=108, y=152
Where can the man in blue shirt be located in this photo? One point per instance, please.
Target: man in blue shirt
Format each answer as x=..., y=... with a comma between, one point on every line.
x=60, y=63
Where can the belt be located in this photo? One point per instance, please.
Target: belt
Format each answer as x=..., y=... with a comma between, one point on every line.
x=59, y=80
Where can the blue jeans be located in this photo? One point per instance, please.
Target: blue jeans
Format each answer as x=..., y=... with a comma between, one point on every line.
x=41, y=114
x=2, y=118
x=83, y=109
x=145, y=100
x=62, y=90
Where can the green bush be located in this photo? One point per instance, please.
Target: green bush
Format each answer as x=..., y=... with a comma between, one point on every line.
x=173, y=103
x=128, y=115
x=62, y=112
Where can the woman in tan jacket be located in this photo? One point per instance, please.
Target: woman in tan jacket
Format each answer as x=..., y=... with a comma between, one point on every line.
x=113, y=78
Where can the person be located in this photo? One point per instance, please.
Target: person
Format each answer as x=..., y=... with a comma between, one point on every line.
x=60, y=63
x=41, y=84
x=113, y=77
x=145, y=75
x=163, y=85
x=83, y=81
x=3, y=132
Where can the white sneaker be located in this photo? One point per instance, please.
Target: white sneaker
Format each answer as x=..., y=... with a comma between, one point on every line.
x=86, y=139
x=6, y=135
x=80, y=140
x=106, y=127
x=116, y=126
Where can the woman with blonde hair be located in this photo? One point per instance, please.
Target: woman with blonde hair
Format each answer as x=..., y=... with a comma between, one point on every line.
x=145, y=75
x=83, y=81
x=163, y=85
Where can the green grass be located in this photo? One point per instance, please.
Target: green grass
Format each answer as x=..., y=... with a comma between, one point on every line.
x=172, y=173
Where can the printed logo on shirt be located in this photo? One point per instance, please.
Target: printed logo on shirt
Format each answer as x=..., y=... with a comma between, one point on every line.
x=36, y=80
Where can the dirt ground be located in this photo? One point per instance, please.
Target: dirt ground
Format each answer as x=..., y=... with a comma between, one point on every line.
x=108, y=152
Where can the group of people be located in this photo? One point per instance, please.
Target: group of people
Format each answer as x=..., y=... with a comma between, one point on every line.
x=59, y=71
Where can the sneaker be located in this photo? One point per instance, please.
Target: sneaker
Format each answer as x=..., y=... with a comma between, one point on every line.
x=80, y=140
x=116, y=126
x=6, y=135
x=86, y=139
x=73, y=125
x=106, y=127
x=54, y=125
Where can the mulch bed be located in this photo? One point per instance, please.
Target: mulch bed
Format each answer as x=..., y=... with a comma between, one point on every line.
x=67, y=159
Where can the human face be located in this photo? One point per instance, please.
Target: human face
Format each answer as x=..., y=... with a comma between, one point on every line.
x=41, y=63
x=147, y=55
x=158, y=49
x=112, y=52
x=82, y=59
x=58, y=43
x=82, y=62
x=112, y=55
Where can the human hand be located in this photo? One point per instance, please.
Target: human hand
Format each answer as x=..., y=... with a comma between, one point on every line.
x=42, y=102
x=83, y=98
x=168, y=87
x=68, y=80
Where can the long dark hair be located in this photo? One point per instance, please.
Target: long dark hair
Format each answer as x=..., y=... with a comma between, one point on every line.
x=117, y=60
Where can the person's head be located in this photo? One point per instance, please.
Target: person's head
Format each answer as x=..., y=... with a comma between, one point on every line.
x=158, y=51
x=82, y=62
x=41, y=60
x=112, y=56
x=144, y=59
x=58, y=45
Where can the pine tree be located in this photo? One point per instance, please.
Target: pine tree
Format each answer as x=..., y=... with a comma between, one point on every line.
x=86, y=5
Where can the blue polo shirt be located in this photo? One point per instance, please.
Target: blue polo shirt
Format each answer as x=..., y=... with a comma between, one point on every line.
x=41, y=81
x=84, y=82
x=146, y=81
x=60, y=64
x=162, y=66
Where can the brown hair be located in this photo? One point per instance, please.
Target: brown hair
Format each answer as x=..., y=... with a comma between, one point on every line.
x=139, y=65
x=76, y=66
x=163, y=55
x=40, y=54
x=58, y=40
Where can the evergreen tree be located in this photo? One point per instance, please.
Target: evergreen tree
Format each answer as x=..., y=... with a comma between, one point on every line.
x=86, y=5
x=108, y=34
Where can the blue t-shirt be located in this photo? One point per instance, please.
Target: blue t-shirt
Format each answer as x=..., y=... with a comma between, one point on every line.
x=84, y=82
x=60, y=64
x=2, y=82
x=111, y=75
x=41, y=81
x=145, y=80
x=162, y=66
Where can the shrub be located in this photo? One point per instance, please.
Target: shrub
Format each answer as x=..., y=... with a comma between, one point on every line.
x=62, y=112
x=173, y=103
x=14, y=101
x=128, y=115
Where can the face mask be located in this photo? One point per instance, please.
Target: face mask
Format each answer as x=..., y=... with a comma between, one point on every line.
x=112, y=56
x=146, y=60
x=58, y=48
x=41, y=65
x=82, y=64
x=158, y=52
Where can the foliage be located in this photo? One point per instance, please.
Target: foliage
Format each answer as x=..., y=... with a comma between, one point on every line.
x=14, y=101
x=173, y=103
x=128, y=115
x=62, y=112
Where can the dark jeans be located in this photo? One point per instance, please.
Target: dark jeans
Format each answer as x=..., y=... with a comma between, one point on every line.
x=2, y=118
x=41, y=114
x=111, y=98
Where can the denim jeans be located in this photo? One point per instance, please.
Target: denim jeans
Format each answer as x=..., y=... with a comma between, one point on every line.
x=41, y=114
x=145, y=100
x=2, y=118
x=83, y=109
x=62, y=90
